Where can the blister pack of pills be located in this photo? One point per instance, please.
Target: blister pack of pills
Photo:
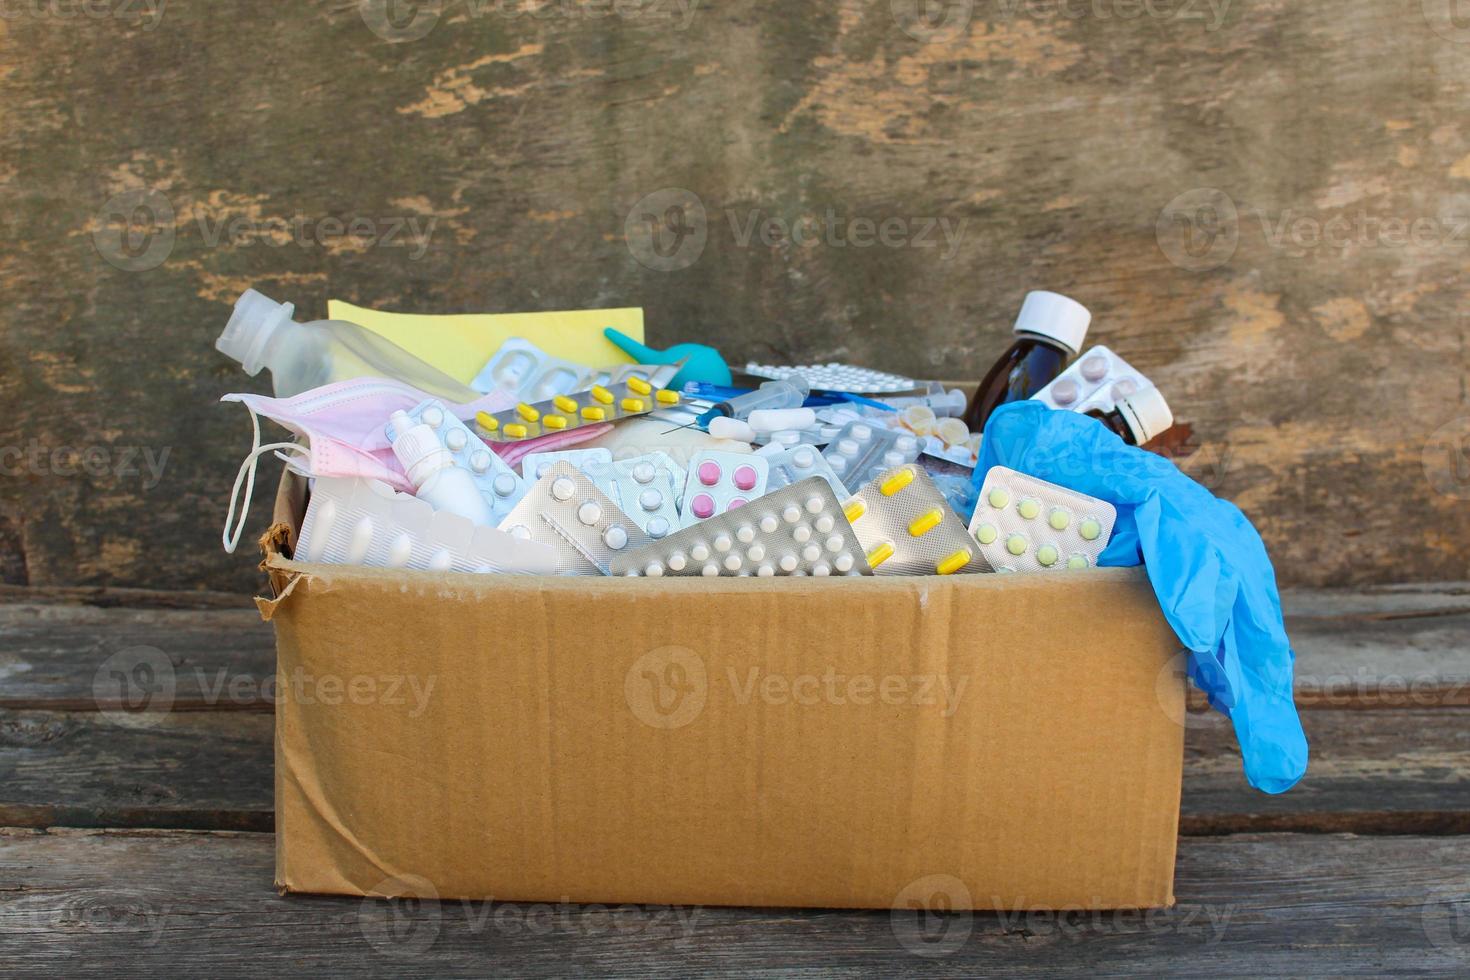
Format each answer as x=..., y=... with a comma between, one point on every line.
x=646, y=488
x=521, y=367
x=1023, y=524
x=908, y=528
x=566, y=510
x=836, y=377
x=589, y=461
x=787, y=438
x=862, y=450
x=497, y=481
x=1096, y=380
x=798, y=530
x=366, y=522
x=721, y=481
x=794, y=465
x=562, y=413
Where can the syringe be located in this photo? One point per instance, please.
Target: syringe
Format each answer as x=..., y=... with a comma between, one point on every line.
x=789, y=392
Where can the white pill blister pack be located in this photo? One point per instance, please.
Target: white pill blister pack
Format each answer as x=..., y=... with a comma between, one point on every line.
x=836, y=377
x=366, y=522
x=497, y=481
x=907, y=527
x=646, y=488
x=798, y=530
x=862, y=450
x=794, y=465
x=521, y=367
x=1023, y=524
x=589, y=461
x=566, y=510
x=720, y=481
x=1096, y=380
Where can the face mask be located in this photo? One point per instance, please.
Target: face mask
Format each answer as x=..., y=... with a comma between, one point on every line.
x=345, y=425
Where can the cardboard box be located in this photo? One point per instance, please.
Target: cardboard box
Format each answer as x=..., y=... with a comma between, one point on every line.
x=1011, y=741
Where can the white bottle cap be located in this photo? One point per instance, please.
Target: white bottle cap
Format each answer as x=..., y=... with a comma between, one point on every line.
x=418, y=449
x=1055, y=316
x=1147, y=413
x=249, y=331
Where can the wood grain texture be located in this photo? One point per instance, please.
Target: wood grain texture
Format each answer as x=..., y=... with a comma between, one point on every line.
x=1379, y=772
x=88, y=902
x=1313, y=339
x=1402, y=647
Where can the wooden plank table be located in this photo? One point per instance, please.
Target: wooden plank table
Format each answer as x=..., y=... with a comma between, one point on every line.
x=139, y=840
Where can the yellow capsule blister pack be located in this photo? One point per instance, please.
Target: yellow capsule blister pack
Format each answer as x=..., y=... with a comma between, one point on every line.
x=907, y=527
x=1023, y=524
x=599, y=403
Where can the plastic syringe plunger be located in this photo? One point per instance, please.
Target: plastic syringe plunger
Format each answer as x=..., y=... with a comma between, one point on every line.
x=787, y=393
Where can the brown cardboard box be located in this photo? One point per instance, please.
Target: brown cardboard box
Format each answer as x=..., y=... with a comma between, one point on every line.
x=1011, y=741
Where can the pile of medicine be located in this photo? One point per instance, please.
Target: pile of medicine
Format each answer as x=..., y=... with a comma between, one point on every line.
x=545, y=466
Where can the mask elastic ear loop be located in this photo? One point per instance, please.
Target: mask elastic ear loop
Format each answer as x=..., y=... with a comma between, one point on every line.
x=246, y=476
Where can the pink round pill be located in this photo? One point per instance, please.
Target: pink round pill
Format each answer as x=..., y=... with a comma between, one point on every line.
x=703, y=505
x=1095, y=367
x=745, y=477
x=736, y=502
x=709, y=473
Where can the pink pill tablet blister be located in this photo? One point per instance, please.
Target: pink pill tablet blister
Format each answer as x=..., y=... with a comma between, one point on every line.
x=1096, y=380
x=720, y=481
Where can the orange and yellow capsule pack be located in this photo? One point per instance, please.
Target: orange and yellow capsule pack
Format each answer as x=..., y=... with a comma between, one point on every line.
x=630, y=398
x=907, y=527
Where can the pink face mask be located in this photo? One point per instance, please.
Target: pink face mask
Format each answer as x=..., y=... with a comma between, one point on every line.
x=345, y=425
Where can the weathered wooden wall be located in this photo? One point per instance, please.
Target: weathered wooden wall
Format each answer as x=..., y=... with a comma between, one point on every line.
x=1266, y=204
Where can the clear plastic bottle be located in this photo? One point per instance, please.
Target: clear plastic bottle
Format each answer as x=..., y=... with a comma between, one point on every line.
x=1138, y=418
x=1049, y=332
x=302, y=356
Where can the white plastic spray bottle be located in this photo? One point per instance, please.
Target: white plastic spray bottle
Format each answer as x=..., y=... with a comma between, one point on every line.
x=430, y=468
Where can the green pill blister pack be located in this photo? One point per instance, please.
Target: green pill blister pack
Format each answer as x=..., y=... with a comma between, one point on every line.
x=1023, y=524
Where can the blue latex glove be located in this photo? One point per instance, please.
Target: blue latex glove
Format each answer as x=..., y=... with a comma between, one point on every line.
x=705, y=363
x=1206, y=562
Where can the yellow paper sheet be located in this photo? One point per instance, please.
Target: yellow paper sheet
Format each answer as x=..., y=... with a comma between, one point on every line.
x=460, y=344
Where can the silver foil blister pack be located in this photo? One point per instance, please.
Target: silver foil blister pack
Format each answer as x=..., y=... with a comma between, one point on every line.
x=566, y=510
x=565, y=412
x=1023, y=524
x=836, y=377
x=794, y=465
x=907, y=527
x=862, y=450
x=646, y=488
x=798, y=530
